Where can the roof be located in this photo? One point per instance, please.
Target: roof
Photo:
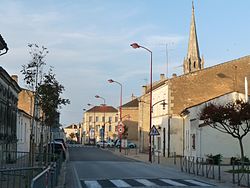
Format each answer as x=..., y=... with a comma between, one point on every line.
x=105, y=108
x=132, y=103
x=7, y=78
x=202, y=85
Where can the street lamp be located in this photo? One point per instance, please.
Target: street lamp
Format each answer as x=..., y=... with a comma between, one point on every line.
x=3, y=46
x=104, y=103
x=135, y=46
x=113, y=81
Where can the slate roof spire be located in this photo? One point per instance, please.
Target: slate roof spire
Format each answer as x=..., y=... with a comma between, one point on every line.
x=193, y=62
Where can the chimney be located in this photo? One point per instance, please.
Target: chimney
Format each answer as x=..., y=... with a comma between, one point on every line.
x=174, y=75
x=15, y=77
x=133, y=97
x=162, y=76
x=144, y=89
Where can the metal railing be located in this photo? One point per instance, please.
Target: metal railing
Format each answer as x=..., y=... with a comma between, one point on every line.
x=241, y=172
x=49, y=177
x=16, y=170
x=200, y=167
x=18, y=177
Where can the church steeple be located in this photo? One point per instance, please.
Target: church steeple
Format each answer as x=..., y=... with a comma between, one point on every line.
x=193, y=62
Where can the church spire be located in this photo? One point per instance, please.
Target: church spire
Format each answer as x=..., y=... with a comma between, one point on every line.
x=193, y=61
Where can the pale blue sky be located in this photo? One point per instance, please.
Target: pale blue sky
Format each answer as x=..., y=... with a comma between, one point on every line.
x=89, y=41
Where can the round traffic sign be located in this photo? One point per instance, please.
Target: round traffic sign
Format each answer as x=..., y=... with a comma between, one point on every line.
x=120, y=129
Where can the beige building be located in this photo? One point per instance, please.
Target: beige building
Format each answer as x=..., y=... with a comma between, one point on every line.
x=100, y=121
x=130, y=112
x=196, y=86
x=73, y=132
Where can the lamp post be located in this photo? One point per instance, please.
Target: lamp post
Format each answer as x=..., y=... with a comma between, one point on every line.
x=94, y=119
x=120, y=108
x=3, y=45
x=135, y=46
x=104, y=103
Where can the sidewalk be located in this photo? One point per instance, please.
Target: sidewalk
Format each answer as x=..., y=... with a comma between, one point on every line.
x=226, y=178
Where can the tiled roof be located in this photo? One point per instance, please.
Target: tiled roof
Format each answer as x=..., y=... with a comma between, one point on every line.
x=133, y=103
x=102, y=109
x=199, y=86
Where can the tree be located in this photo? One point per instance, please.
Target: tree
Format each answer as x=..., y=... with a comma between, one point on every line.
x=49, y=92
x=232, y=118
x=72, y=135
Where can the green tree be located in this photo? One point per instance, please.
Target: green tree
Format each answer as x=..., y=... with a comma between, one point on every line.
x=232, y=118
x=49, y=92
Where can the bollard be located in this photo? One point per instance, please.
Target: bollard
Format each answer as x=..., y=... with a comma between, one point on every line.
x=174, y=157
x=233, y=173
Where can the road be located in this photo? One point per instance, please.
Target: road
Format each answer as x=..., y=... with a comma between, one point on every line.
x=94, y=167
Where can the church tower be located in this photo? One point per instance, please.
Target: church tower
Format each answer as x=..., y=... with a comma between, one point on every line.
x=193, y=62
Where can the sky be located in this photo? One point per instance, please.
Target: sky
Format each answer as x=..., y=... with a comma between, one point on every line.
x=89, y=42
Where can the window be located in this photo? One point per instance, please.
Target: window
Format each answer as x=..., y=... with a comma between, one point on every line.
x=90, y=118
x=110, y=119
x=103, y=119
x=96, y=119
x=116, y=119
x=110, y=128
x=193, y=141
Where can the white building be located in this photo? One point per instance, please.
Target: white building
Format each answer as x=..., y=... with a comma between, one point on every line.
x=23, y=131
x=203, y=140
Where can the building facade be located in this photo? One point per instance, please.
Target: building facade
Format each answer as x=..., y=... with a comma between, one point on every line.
x=9, y=90
x=99, y=122
x=200, y=140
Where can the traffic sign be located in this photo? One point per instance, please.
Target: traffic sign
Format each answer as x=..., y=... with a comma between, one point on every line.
x=120, y=128
x=154, y=131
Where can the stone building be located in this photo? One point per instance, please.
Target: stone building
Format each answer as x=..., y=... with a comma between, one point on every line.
x=197, y=85
x=9, y=90
x=99, y=121
x=130, y=118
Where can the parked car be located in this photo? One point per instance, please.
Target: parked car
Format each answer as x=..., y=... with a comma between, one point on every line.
x=107, y=144
x=57, y=148
x=129, y=144
x=62, y=141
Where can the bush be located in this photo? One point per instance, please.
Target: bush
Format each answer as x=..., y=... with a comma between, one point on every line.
x=214, y=159
x=237, y=160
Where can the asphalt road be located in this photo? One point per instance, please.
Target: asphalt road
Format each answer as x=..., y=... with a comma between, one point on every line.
x=93, y=167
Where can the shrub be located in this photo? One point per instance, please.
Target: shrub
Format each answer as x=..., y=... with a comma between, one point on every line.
x=214, y=159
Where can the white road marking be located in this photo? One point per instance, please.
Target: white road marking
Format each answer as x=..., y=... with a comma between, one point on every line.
x=120, y=183
x=171, y=182
x=198, y=183
x=146, y=182
x=92, y=184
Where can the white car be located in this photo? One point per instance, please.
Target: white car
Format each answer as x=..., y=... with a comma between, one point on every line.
x=105, y=143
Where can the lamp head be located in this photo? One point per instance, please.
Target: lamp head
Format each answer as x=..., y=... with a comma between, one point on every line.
x=135, y=45
x=97, y=96
x=3, y=44
x=110, y=81
x=89, y=104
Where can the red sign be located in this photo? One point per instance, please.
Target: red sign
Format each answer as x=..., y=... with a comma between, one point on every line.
x=120, y=128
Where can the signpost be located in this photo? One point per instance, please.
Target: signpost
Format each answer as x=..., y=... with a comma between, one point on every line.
x=120, y=129
x=154, y=132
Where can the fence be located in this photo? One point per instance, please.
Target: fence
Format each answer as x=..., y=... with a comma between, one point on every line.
x=16, y=170
x=238, y=173
x=49, y=177
x=17, y=177
x=201, y=167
